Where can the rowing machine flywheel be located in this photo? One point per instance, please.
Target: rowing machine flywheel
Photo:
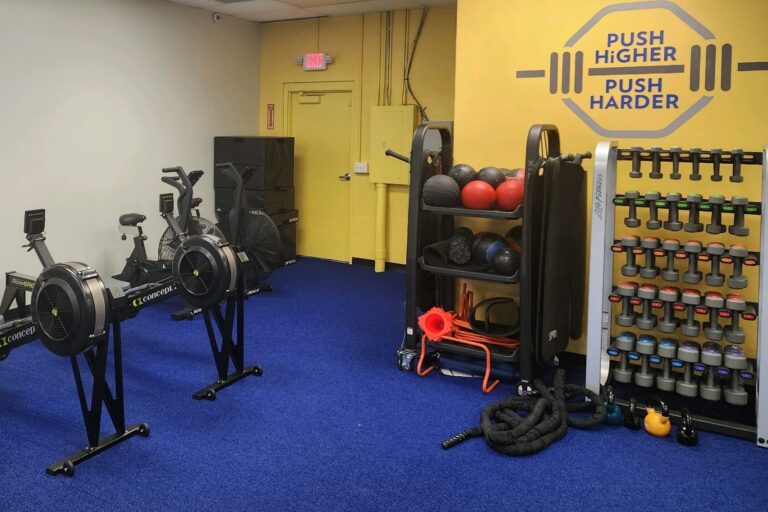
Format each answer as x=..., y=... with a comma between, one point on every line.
x=205, y=267
x=70, y=308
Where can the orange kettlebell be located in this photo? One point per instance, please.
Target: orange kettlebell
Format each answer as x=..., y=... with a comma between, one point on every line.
x=657, y=424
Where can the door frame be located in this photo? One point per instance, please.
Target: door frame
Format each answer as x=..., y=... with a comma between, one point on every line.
x=350, y=86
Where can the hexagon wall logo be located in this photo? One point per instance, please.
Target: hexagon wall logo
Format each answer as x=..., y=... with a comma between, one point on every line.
x=642, y=82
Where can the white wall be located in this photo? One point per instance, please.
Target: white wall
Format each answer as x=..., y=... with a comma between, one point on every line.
x=96, y=96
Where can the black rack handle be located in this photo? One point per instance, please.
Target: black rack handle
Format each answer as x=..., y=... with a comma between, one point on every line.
x=400, y=157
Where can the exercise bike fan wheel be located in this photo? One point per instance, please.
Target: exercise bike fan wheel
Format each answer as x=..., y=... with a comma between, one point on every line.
x=205, y=266
x=70, y=308
x=169, y=242
x=260, y=239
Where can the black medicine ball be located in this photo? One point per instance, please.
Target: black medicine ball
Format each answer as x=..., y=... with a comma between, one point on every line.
x=491, y=175
x=463, y=174
x=506, y=262
x=485, y=247
x=441, y=190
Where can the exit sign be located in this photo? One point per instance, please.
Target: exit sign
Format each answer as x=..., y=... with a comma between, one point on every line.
x=314, y=61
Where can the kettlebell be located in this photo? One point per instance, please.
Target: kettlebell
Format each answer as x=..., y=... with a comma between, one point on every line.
x=613, y=415
x=657, y=424
x=631, y=421
x=686, y=433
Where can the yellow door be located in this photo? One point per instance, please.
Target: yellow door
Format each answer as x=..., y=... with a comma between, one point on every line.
x=321, y=123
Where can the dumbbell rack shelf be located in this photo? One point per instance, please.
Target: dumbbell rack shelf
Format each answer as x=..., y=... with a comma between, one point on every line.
x=601, y=350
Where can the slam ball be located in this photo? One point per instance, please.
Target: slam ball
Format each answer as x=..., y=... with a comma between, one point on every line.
x=491, y=175
x=441, y=190
x=509, y=195
x=463, y=174
x=506, y=262
x=478, y=195
x=514, y=238
x=485, y=247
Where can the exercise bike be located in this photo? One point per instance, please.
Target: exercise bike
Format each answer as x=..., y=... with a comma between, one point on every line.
x=139, y=269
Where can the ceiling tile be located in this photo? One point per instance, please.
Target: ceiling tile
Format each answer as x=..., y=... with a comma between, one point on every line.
x=294, y=13
x=365, y=6
x=318, y=3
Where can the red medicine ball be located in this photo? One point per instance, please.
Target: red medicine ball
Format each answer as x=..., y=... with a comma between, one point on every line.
x=478, y=195
x=509, y=195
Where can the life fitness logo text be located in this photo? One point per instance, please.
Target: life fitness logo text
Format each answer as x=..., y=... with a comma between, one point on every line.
x=644, y=73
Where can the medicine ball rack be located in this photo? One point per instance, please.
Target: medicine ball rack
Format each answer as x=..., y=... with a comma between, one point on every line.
x=744, y=413
x=432, y=285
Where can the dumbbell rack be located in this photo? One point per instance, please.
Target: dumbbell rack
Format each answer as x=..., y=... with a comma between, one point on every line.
x=602, y=336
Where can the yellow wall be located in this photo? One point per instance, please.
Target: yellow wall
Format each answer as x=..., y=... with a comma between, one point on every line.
x=494, y=109
x=357, y=46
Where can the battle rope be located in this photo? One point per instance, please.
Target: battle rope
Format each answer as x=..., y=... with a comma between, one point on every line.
x=546, y=422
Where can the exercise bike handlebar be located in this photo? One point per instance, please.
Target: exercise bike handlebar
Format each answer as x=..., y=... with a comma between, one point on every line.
x=182, y=183
x=228, y=169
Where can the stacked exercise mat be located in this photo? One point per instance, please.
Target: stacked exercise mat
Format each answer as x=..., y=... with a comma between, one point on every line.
x=674, y=310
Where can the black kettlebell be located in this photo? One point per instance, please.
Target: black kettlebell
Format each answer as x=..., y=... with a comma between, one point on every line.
x=631, y=419
x=687, y=434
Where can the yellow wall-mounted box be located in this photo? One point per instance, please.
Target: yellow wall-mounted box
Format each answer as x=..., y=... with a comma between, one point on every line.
x=391, y=128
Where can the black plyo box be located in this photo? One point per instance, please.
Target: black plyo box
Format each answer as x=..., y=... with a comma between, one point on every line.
x=286, y=225
x=271, y=201
x=271, y=157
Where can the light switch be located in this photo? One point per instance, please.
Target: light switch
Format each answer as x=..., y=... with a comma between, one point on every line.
x=361, y=167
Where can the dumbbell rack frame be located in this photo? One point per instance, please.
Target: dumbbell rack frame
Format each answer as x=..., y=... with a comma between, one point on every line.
x=600, y=315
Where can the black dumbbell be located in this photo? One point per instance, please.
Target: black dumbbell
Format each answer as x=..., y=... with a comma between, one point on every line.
x=673, y=223
x=625, y=343
x=653, y=210
x=649, y=246
x=675, y=154
x=716, y=157
x=736, y=156
x=712, y=357
x=688, y=353
x=647, y=293
x=715, y=226
x=738, y=228
x=668, y=297
x=714, y=303
x=692, y=249
x=692, y=301
x=635, y=172
x=693, y=225
x=715, y=250
x=695, y=163
x=735, y=360
x=667, y=351
x=671, y=247
x=655, y=163
x=737, y=305
x=736, y=255
x=646, y=346
x=629, y=243
x=626, y=293
x=631, y=220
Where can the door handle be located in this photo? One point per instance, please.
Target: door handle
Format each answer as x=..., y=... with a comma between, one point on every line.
x=345, y=177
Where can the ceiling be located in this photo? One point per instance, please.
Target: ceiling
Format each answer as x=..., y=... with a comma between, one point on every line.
x=275, y=10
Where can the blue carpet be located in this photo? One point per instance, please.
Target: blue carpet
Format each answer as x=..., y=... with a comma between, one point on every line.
x=332, y=425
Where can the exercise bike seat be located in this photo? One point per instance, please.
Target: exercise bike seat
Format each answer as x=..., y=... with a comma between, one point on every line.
x=132, y=219
x=196, y=202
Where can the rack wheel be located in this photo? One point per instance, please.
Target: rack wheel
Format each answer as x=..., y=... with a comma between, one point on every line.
x=144, y=430
x=257, y=371
x=210, y=395
x=68, y=468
